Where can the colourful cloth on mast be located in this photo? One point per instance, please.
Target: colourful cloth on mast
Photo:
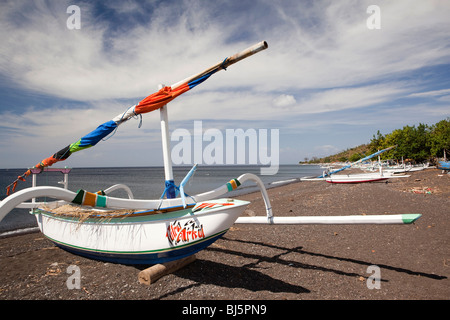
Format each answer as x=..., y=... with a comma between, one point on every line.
x=89, y=140
x=152, y=102
x=165, y=95
x=92, y=138
x=159, y=99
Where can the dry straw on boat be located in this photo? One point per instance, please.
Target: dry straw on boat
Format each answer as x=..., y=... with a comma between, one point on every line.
x=84, y=213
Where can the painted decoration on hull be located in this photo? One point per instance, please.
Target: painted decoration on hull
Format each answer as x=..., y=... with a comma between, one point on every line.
x=182, y=234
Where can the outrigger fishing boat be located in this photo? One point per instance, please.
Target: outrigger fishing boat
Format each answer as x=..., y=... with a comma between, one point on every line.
x=328, y=173
x=444, y=165
x=330, y=176
x=135, y=231
x=358, y=178
x=381, y=175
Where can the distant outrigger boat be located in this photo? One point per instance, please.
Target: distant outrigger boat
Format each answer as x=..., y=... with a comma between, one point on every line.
x=444, y=165
x=361, y=178
x=400, y=168
x=381, y=175
x=327, y=174
x=132, y=231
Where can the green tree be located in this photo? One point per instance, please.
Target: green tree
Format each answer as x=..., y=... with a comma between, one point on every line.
x=376, y=142
x=412, y=143
x=392, y=139
x=417, y=143
x=355, y=157
x=440, y=138
x=420, y=143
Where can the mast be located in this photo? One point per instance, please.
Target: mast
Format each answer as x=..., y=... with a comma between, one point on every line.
x=169, y=190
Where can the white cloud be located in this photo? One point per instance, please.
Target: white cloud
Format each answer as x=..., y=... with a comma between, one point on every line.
x=433, y=93
x=284, y=100
x=350, y=98
x=321, y=55
x=329, y=44
x=323, y=45
x=87, y=64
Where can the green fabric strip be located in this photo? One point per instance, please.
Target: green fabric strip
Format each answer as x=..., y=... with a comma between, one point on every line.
x=74, y=147
x=101, y=201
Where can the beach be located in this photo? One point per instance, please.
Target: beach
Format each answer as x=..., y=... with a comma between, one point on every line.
x=273, y=262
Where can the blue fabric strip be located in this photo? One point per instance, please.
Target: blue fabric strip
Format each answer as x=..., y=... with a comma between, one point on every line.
x=197, y=81
x=91, y=139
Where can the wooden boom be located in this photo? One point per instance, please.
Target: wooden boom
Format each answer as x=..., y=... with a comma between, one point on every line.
x=227, y=62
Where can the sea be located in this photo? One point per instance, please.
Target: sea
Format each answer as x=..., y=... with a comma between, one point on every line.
x=144, y=182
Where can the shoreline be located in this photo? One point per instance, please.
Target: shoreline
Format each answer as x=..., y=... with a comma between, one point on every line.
x=273, y=262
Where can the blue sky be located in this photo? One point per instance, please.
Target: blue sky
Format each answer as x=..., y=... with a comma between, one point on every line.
x=327, y=81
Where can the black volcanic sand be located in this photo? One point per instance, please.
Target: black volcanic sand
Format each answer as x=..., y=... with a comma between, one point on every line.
x=263, y=262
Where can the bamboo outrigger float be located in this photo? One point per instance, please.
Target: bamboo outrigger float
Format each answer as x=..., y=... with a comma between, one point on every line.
x=152, y=231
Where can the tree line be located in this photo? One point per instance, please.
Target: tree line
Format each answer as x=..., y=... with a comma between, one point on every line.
x=418, y=144
x=415, y=144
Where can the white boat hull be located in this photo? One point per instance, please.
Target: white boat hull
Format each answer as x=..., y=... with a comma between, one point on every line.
x=360, y=178
x=142, y=239
x=356, y=179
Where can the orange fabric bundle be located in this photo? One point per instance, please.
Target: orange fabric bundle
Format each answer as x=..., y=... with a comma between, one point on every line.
x=159, y=99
